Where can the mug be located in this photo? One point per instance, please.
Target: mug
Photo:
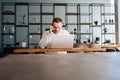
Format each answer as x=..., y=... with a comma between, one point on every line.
x=23, y=44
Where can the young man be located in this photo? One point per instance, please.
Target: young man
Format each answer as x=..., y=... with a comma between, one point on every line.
x=55, y=29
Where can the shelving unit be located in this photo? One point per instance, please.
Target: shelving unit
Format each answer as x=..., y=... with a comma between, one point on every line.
x=72, y=25
x=34, y=24
x=108, y=17
x=27, y=22
x=7, y=25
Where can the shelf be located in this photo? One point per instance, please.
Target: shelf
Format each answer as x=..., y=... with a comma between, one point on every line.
x=33, y=43
x=85, y=23
x=22, y=3
x=34, y=23
x=8, y=13
x=108, y=33
x=8, y=23
x=80, y=33
x=31, y=13
x=8, y=33
x=96, y=4
x=85, y=14
x=108, y=23
x=8, y=44
x=96, y=26
x=60, y=4
x=72, y=24
x=35, y=33
x=47, y=13
x=85, y=33
x=108, y=14
x=46, y=23
x=34, y=4
x=71, y=13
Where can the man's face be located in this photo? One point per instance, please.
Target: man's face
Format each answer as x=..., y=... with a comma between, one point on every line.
x=57, y=27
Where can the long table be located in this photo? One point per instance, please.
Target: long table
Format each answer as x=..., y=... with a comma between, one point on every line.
x=92, y=66
x=59, y=49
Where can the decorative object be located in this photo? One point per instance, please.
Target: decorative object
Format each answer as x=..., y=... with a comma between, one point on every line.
x=88, y=40
x=12, y=29
x=11, y=36
x=17, y=43
x=30, y=36
x=23, y=17
x=5, y=29
x=23, y=44
x=97, y=40
x=9, y=29
x=74, y=30
x=105, y=30
x=96, y=22
x=110, y=21
x=47, y=29
x=107, y=41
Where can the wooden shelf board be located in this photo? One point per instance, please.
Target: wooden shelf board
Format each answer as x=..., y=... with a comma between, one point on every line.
x=47, y=13
x=71, y=13
x=8, y=23
x=108, y=23
x=60, y=4
x=96, y=4
x=80, y=33
x=108, y=33
x=85, y=23
x=34, y=23
x=33, y=43
x=85, y=14
x=32, y=13
x=35, y=33
x=108, y=14
x=8, y=33
x=96, y=26
x=8, y=13
x=21, y=3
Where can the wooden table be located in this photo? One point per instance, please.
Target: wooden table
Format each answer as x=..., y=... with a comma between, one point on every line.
x=60, y=49
x=92, y=66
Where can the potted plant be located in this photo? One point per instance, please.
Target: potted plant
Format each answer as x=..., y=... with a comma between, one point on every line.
x=105, y=30
x=96, y=22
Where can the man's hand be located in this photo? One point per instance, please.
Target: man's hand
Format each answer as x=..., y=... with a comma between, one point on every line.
x=51, y=29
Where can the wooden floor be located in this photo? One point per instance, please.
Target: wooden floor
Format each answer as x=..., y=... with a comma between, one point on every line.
x=83, y=66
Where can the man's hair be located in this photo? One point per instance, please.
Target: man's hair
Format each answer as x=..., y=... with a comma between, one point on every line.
x=57, y=20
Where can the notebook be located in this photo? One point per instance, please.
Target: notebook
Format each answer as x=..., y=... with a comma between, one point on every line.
x=62, y=41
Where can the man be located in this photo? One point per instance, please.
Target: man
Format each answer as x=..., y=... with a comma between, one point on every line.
x=55, y=29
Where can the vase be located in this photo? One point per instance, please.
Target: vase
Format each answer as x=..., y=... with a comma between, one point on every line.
x=23, y=44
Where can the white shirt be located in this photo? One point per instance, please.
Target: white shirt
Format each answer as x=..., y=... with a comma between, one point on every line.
x=46, y=40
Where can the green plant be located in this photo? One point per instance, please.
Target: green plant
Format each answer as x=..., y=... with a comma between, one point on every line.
x=105, y=30
x=107, y=41
x=96, y=22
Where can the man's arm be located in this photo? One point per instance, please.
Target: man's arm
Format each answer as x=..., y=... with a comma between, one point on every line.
x=45, y=41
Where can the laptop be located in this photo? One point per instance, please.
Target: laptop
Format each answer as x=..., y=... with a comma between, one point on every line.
x=62, y=41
